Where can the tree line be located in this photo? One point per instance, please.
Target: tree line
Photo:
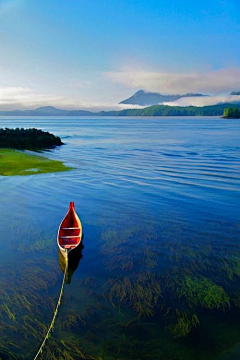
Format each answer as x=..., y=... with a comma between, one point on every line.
x=231, y=113
x=28, y=139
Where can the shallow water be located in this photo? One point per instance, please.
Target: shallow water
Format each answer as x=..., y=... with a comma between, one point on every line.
x=159, y=273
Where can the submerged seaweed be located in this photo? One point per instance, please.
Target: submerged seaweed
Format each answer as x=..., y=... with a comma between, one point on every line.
x=142, y=293
x=184, y=325
x=200, y=291
x=145, y=292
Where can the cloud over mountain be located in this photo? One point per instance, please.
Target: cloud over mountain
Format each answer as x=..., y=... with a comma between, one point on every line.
x=17, y=97
x=215, y=81
x=204, y=101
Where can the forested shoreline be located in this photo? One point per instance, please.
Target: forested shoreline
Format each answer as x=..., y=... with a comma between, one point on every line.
x=28, y=139
x=154, y=110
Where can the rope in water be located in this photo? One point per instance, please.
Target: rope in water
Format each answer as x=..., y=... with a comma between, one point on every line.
x=54, y=316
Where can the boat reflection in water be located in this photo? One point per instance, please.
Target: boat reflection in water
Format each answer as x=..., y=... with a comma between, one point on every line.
x=72, y=263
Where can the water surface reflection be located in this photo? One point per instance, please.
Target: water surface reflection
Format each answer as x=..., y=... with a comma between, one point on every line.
x=160, y=275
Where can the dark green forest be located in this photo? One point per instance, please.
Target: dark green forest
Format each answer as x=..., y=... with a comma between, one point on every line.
x=28, y=139
x=231, y=113
x=164, y=110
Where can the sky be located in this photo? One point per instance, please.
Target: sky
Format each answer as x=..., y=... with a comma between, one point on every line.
x=92, y=54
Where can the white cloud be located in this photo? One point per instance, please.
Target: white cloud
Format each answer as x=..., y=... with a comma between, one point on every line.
x=24, y=97
x=190, y=101
x=13, y=90
x=204, y=100
x=18, y=97
x=215, y=81
x=12, y=98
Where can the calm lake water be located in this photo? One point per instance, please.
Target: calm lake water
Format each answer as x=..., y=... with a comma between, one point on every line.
x=159, y=275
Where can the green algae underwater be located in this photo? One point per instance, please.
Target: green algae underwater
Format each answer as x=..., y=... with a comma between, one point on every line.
x=159, y=276
x=167, y=312
x=13, y=162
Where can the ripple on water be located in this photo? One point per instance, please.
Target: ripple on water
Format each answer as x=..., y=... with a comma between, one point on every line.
x=159, y=202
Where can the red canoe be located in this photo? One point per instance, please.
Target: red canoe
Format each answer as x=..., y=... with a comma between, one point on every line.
x=70, y=231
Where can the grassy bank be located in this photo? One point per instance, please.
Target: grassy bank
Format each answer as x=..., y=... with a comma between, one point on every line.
x=14, y=162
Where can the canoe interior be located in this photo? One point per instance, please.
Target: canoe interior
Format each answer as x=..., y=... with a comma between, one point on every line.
x=70, y=231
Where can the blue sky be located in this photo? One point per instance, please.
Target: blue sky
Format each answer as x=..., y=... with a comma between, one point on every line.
x=94, y=53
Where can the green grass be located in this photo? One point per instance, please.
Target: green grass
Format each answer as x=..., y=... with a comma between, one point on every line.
x=14, y=162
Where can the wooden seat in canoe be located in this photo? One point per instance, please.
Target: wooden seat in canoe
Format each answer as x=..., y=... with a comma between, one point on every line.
x=69, y=237
x=71, y=228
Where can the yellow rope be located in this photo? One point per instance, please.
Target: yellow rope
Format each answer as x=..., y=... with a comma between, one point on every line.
x=54, y=315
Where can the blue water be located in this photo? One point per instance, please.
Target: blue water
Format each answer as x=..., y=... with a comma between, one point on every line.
x=159, y=203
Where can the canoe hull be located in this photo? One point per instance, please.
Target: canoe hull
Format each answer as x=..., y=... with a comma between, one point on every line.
x=65, y=253
x=71, y=262
x=69, y=232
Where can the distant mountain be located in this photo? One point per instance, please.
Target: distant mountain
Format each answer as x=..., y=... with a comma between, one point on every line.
x=46, y=111
x=154, y=110
x=235, y=93
x=144, y=98
x=50, y=110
